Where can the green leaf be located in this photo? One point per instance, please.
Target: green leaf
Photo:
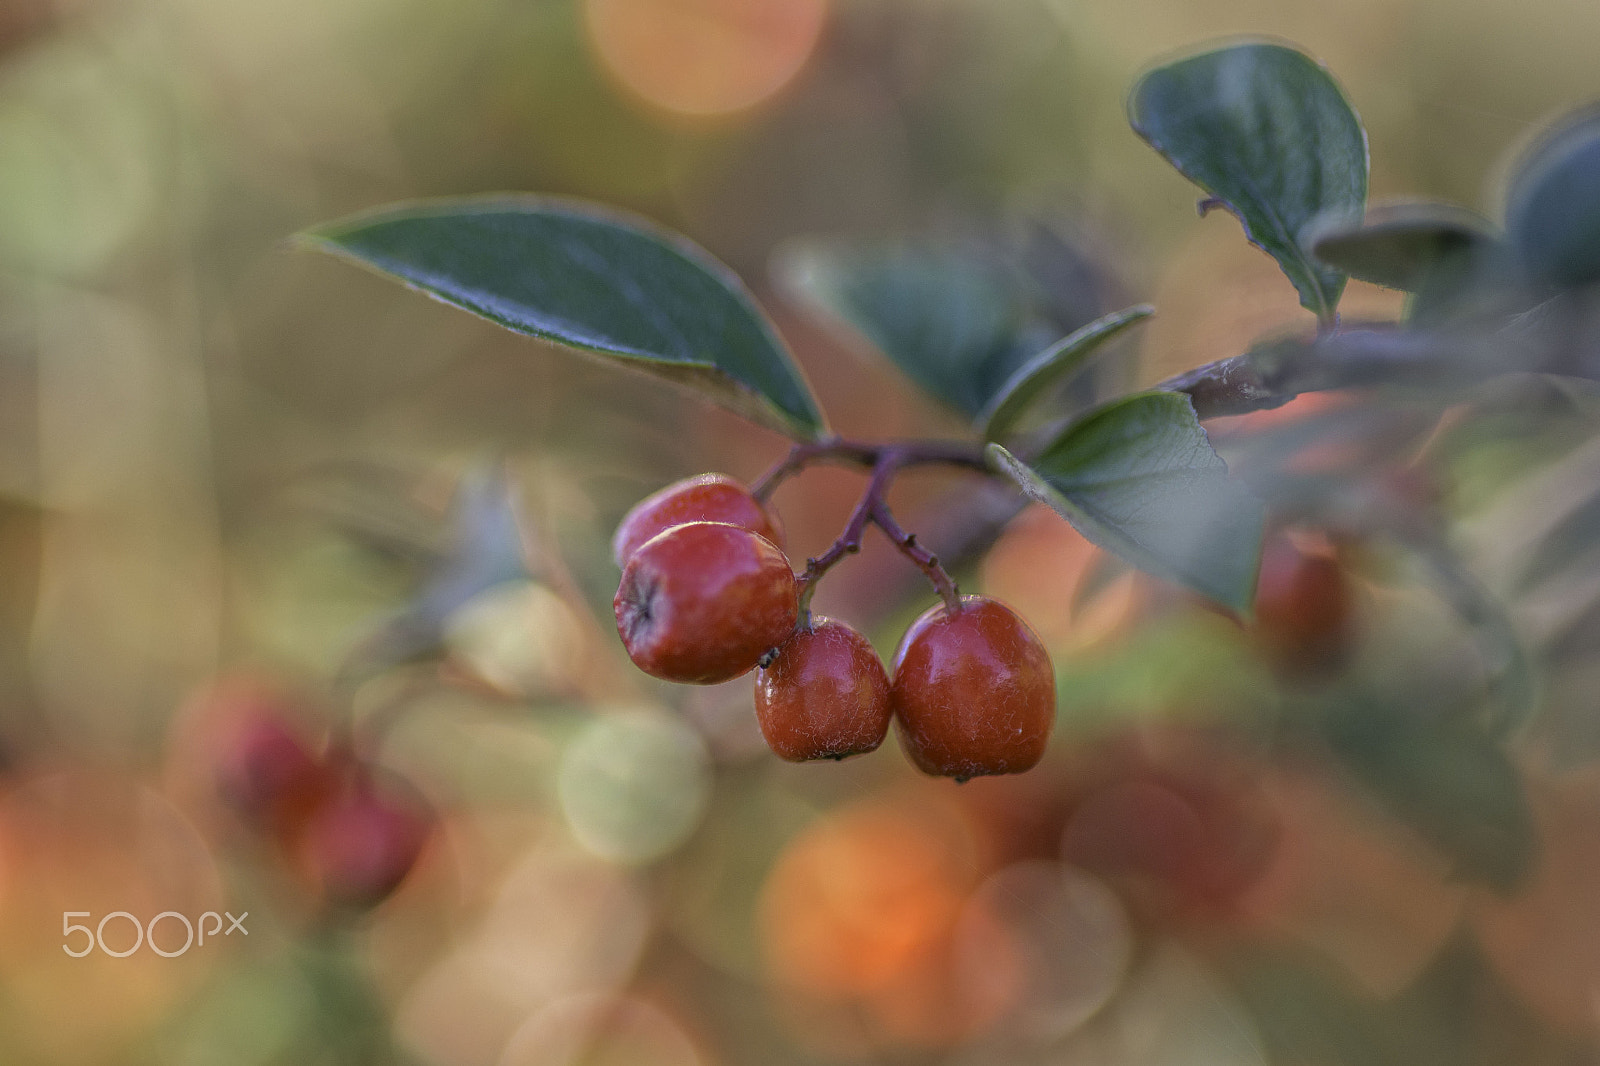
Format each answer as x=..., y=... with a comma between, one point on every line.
x=593, y=279
x=1056, y=362
x=1139, y=478
x=1404, y=245
x=1452, y=261
x=949, y=320
x=487, y=548
x=1453, y=783
x=1266, y=131
x=1553, y=205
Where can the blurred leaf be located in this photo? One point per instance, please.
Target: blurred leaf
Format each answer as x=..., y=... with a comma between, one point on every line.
x=593, y=279
x=1266, y=131
x=950, y=320
x=1510, y=680
x=1070, y=284
x=485, y=550
x=1050, y=366
x=1138, y=478
x=1576, y=641
x=1450, y=259
x=1571, y=540
x=1402, y=245
x=1449, y=1015
x=1448, y=779
x=1307, y=1015
x=1553, y=205
x=250, y=1014
x=352, y=1024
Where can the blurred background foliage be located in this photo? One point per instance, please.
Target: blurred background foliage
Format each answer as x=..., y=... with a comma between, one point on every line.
x=220, y=459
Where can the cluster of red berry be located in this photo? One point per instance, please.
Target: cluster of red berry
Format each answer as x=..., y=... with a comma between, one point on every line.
x=707, y=594
x=351, y=830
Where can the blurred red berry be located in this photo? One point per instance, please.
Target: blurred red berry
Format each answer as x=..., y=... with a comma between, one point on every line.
x=363, y=840
x=1303, y=607
x=267, y=773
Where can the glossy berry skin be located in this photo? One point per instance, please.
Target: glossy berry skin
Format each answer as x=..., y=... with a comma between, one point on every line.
x=702, y=602
x=824, y=695
x=707, y=498
x=363, y=839
x=1303, y=608
x=974, y=692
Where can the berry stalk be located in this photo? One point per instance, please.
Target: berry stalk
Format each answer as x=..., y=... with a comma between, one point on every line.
x=873, y=507
x=841, y=451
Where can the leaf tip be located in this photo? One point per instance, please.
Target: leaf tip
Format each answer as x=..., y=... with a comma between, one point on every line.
x=1001, y=461
x=307, y=240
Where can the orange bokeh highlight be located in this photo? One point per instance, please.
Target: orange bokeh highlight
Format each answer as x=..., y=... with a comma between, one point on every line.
x=81, y=840
x=859, y=920
x=704, y=57
x=854, y=903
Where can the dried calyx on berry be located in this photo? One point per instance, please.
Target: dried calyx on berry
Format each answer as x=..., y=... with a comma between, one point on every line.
x=701, y=603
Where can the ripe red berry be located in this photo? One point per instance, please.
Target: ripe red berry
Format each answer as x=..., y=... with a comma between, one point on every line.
x=702, y=602
x=974, y=692
x=707, y=498
x=824, y=695
x=267, y=773
x=1303, y=608
x=360, y=843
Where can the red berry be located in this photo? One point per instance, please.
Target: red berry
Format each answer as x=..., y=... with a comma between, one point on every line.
x=824, y=695
x=1303, y=609
x=364, y=838
x=701, y=603
x=707, y=498
x=974, y=692
x=267, y=773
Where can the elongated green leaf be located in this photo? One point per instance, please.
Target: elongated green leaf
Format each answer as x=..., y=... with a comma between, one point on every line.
x=1403, y=245
x=1452, y=261
x=1139, y=478
x=1570, y=542
x=1454, y=784
x=1056, y=362
x=1553, y=206
x=1266, y=131
x=593, y=279
x=950, y=321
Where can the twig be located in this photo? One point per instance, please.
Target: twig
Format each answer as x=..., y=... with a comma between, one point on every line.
x=863, y=454
x=873, y=508
x=925, y=560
